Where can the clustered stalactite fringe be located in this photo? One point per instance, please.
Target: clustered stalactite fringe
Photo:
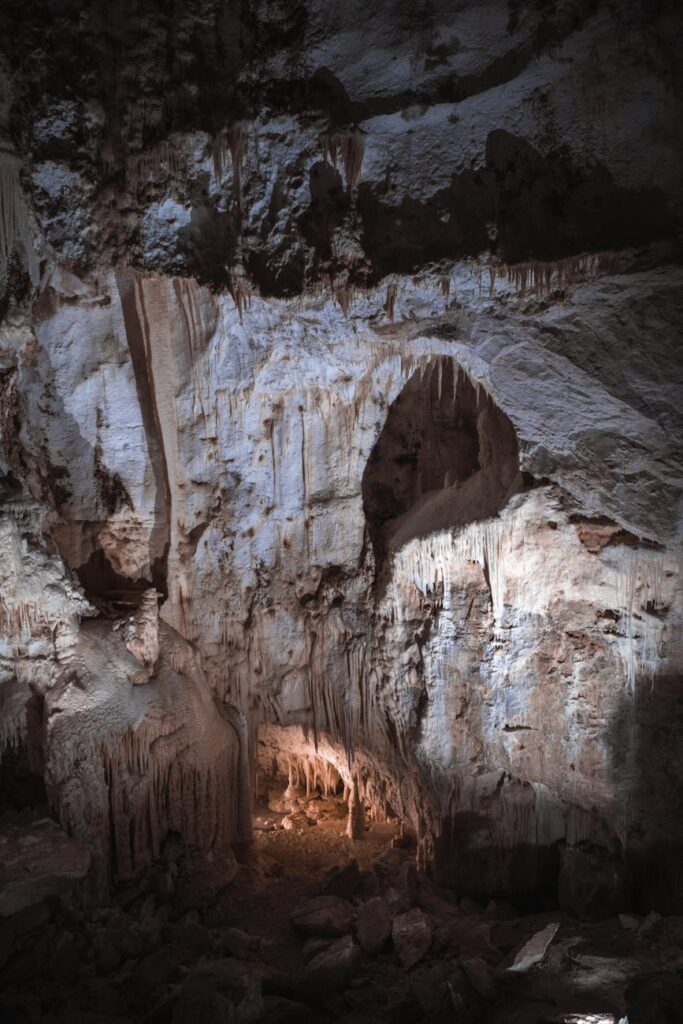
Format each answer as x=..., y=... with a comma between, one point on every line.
x=539, y=278
x=150, y=792
x=122, y=787
x=168, y=156
x=233, y=140
x=642, y=596
x=322, y=768
x=12, y=209
x=238, y=286
x=348, y=148
x=390, y=301
x=14, y=219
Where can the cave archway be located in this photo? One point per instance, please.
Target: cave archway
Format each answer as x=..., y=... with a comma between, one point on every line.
x=315, y=808
x=446, y=456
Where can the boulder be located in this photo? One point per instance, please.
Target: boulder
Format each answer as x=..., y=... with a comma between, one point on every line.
x=369, y=885
x=196, y=939
x=74, y=1017
x=412, y=936
x=201, y=879
x=655, y=998
x=344, y=881
x=324, y=915
x=313, y=946
x=65, y=960
x=373, y=924
x=160, y=966
x=38, y=860
x=407, y=881
x=628, y=922
x=533, y=951
x=480, y=977
x=438, y=908
x=297, y=820
x=285, y=1011
x=323, y=808
x=198, y=1004
x=499, y=910
x=332, y=969
x=238, y=983
x=13, y=928
x=652, y=926
x=101, y=995
x=235, y=942
x=431, y=987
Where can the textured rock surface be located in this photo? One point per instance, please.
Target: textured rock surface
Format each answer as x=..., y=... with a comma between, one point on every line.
x=534, y=950
x=38, y=861
x=412, y=936
x=373, y=926
x=366, y=357
x=333, y=968
x=325, y=915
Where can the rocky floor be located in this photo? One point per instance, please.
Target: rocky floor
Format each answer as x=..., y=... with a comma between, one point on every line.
x=316, y=927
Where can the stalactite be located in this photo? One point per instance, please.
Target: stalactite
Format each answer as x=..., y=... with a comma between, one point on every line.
x=343, y=293
x=641, y=595
x=140, y=167
x=12, y=209
x=349, y=148
x=233, y=141
x=390, y=301
x=541, y=277
x=14, y=219
x=433, y=563
x=149, y=788
x=239, y=290
x=237, y=143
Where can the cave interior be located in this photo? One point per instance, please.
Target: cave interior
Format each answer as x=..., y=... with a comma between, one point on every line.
x=341, y=586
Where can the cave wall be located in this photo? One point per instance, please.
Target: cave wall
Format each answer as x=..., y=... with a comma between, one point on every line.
x=244, y=286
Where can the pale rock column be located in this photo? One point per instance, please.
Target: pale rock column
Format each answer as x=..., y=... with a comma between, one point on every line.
x=355, y=828
x=142, y=635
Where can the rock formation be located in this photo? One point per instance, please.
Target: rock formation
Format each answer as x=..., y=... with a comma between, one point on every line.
x=340, y=434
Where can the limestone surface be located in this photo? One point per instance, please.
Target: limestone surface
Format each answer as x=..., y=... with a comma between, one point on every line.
x=340, y=431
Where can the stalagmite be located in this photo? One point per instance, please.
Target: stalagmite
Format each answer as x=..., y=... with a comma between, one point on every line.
x=356, y=821
x=142, y=634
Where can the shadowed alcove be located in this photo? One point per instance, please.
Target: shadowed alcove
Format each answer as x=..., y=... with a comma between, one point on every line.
x=446, y=456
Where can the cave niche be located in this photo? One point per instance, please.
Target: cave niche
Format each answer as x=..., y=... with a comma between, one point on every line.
x=313, y=789
x=446, y=456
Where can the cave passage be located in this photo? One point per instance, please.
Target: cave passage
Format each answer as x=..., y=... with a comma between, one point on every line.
x=311, y=809
x=446, y=456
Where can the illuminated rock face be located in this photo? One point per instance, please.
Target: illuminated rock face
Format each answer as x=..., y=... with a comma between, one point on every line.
x=372, y=379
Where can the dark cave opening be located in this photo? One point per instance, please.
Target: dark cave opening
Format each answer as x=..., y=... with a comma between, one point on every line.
x=21, y=785
x=22, y=768
x=446, y=456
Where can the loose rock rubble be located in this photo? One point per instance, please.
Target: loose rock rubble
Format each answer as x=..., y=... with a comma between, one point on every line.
x=259, y=948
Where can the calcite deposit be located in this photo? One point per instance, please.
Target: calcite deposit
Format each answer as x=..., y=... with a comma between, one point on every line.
x=340, y=443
